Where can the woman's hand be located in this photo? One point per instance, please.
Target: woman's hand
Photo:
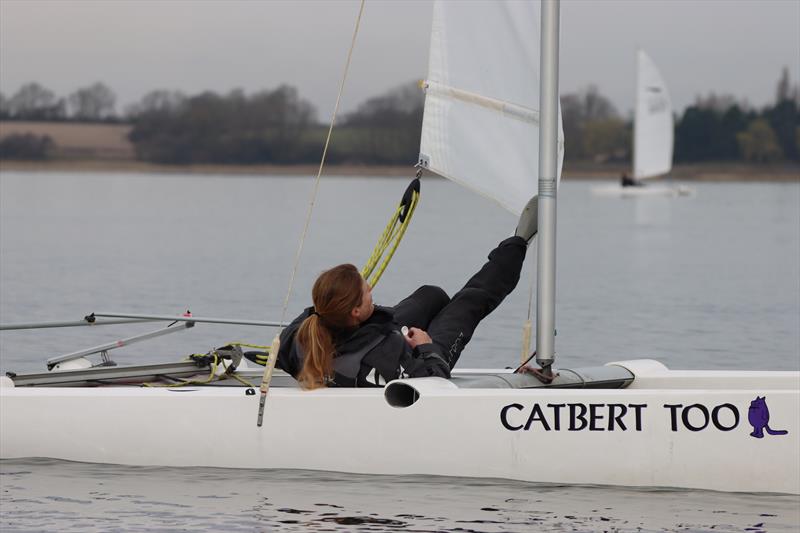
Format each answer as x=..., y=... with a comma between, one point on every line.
x=417, y=336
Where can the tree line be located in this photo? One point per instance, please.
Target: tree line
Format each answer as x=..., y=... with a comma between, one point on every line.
x=278, y=126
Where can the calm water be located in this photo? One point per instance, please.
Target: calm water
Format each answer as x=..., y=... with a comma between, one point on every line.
x=711, y=281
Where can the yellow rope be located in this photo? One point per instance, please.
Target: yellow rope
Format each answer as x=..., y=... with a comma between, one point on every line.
x=214, y=366
x=389, y=240
x=234, y=376
x=380, y=247
x=184, y=383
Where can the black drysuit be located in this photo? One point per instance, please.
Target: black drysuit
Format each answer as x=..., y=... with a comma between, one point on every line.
x=375, y=352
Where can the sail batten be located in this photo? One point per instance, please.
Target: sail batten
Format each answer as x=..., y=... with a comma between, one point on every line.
x=508, y=109
x=653, y=123
x=481, y=121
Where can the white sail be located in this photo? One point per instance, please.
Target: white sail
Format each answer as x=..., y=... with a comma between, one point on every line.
x=481, y=122
x=653, y=126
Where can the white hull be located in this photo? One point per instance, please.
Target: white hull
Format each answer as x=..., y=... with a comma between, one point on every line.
x=643, y=191
x=448, y=431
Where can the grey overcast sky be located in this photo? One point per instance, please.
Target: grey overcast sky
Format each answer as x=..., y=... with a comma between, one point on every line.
x=735, y=47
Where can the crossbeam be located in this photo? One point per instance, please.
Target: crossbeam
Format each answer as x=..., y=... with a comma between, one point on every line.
x=73, y=323
x=103, y=348
x=243, y=322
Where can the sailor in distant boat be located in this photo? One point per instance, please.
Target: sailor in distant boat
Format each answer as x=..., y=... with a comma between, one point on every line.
x=627, y=181
x=345, y=340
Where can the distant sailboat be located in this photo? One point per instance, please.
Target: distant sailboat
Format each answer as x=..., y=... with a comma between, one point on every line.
x=653, y=136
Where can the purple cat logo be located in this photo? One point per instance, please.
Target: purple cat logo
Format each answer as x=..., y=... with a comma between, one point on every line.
x=758, y=416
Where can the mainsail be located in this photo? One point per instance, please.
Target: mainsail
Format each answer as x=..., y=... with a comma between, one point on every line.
x=481, y=121
x=653, y=126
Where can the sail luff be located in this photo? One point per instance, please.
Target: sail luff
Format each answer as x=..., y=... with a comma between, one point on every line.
x=653, y=121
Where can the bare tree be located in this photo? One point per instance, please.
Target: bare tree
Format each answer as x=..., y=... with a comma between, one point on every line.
x=32, y=101
x=596, y=106
x=719, y=103
x=95, y=102
x=784, y=90
x=405, y=99
x=159, y=101
x=606, y=140
x=586, y=117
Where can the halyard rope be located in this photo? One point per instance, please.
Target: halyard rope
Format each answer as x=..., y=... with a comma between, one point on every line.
x=389, y=240
x=321, y=164
x=275, y=345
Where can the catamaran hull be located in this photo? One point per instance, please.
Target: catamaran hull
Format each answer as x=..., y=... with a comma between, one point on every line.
x=645, y=191
x=684, y=429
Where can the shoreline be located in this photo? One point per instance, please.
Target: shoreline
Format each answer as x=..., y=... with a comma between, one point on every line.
x=697, y=172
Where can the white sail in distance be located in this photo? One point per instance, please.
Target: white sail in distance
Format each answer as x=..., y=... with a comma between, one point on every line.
x=653, y=124
x=481, y=120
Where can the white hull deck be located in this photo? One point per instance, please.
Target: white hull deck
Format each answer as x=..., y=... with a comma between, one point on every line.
x=617, y=190
x=687, y=429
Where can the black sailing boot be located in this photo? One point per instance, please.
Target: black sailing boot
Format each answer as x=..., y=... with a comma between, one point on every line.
x=528, y=223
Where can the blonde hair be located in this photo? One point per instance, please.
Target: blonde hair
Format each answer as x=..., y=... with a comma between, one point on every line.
x=335, y=294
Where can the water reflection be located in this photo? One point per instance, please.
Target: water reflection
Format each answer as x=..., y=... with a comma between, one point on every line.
x=64, y=496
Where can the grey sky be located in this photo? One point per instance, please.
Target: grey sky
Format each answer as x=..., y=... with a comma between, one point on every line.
x=733, y=47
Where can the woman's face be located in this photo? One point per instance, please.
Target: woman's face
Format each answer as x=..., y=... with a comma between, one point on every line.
x=366, y=307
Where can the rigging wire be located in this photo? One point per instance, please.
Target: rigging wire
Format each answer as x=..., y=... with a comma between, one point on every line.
x=321, y=164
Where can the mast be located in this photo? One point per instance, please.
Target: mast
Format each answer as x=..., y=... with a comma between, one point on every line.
x=634, y=170
x=548, y=173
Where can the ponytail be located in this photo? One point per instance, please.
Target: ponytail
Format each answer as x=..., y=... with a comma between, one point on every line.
x=335, y=294
x=317, y=343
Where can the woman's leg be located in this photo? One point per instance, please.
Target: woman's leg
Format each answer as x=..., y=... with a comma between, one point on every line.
x=453, y=327
x=419, y=309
